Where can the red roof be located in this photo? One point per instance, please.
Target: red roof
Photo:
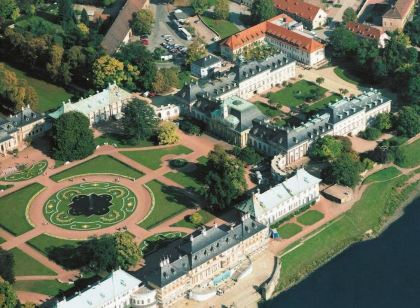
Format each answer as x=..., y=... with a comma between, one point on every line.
x=400, y=9
x=364, y=30
x=299, y=8
x=259, y=31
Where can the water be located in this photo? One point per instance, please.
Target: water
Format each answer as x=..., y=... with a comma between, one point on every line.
x=384, y=272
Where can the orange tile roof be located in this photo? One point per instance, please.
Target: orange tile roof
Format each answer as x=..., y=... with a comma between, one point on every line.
x=364, y=30
x=299, y=8
x=259, y=31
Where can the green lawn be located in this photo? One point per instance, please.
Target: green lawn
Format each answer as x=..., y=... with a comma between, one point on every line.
x=27, y=173
x=103, y=164
x=321, y=104
x=187, y=224
x=293, y=95
x=411, y=153
x=345, y=75
x=310, y=217
x=49, y=96
x=152, y=158
x=27, y=266
x=2, y=240
x=203, y=160
x=120, y=141
x=47, y=287
x=224, y=28
x=168, y=202
x=268, y=110
x=288, y=230
x=184, y=179
x=382, y=175
x=159, y=240
x=13, y=209
x=4, y=187
x=43, y=242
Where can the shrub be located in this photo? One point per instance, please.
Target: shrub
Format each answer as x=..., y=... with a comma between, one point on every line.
x=177, y=163
x=371, y=133
x=367, y=164
x=190, y=128
x=196, y=218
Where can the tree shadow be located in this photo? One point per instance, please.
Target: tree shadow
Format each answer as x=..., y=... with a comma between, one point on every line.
x=67, y=256
x=180, y=195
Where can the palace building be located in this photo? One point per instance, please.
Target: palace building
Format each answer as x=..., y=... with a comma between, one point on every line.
x=310, y=15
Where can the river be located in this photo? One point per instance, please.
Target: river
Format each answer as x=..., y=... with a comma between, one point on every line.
x=384, y=272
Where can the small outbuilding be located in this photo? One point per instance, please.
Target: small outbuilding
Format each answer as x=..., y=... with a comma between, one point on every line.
x=206, y=66
x=338, y=193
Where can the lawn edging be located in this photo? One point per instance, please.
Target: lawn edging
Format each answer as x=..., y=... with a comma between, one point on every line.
x=152, y=196
x=28, y=205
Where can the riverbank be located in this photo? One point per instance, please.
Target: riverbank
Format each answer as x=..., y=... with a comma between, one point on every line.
x=381, y=204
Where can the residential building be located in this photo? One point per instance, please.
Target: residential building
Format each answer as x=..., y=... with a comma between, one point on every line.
x=206, y=66
x=282, y=32
x=243, y=80
x=101, y=106
x=18, y=129
x=119, y=289
x=397, y=16
x=120, y=31
x=167, y=112
x=195, y=265
x=348, y=116
x=283, y=199
x=310, y=15
x=230, y=119
x=369, y=32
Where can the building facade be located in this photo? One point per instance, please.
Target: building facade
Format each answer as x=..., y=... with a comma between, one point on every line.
x=282, y=32
x=99, y=107
x=368, y=32
x=310, y=15
x=206, y=66
x=398, y=15
x=283, y=199
x=17, y=130
x=167, y=112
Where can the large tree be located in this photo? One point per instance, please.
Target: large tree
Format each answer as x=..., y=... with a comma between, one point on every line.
x=412, y=28
x=326, y=148
x=142, y=22
x=8, y=298
x=139, y=120
x=200, y=6
x=166, y=78
x=343, y=42
x=167, y=133
x=67, y=15
x=107, y=69
x=225, y=179
x=262, y=10
x=72, y=137
x=221, y=9
x=349, y=15
x=127, y=250
x=99, y=254
x=408, y=121
x=9, y=9
x=7, y=265
x=195, y=51
x=345, y=170
x=383, y=121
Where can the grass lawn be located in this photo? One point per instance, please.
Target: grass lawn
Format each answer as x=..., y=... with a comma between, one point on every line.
x=224, y=28
x=4, y=187
x=345, y=75
x=156, y=241
x=187, y=224
x=103, y=164
x=27, y=266
x=411, y=155
x=290, y=95
x=202, y=160
x=288, y=230
x=13, y=209
x=43, y=242
x=185, y=179
x=2, y=240
x=120, y=141
x=152, y=158
x=49, y=96
x=268, y=110
x=27, y=173
x=321, y=104
x=168, y=202
x=47, y=287
x=382, y=175
x=310, y=217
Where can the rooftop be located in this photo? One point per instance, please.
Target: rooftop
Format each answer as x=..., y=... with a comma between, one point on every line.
x=400, y=9
x=298, y=7
x=207, y=61
x=364, y=30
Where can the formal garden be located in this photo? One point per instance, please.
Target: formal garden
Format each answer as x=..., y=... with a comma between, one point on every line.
x=90, y=206
x=26, y=172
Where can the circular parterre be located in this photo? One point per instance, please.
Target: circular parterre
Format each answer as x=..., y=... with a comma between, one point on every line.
x=90, y=206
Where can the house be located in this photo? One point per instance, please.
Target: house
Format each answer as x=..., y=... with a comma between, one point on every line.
x=397, y=16
x=206, y=66
x=368, y=32
x=120, y=31
x=101, y=106
x=310, y=15
x=167, y=112
x=18, y=129
x=119, y=289
x=283, y=199
x=282, y=32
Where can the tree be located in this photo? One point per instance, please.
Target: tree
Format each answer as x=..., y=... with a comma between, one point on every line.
x=66, y=13
x=128, y=252
x=166, y=78
x=158, y=52
x=195, y=51
x=106, y=70
x=349, y=15
x=9, y=9
x=225, y=180
x=413, y=90
x=262, y=10
x=54, y=65
x=167, y=133
x=139, y=120
x=221, y=9
x=326, y=148
x=412, y=28
x=142, y=22
x=371, y=133
x=72, y=137
x=343, y=42
x=84, y=17
x=200, y=6
x=320, y=80
x=196, y=218
x=345, y=170
x=99, y=254
x=383, y=121
x=248, y=155
x=7, y=264
x=408, y=121
x=8, y=298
